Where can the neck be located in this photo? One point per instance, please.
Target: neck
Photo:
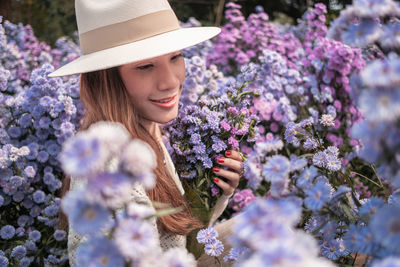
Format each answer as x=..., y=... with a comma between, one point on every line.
x=152, y=128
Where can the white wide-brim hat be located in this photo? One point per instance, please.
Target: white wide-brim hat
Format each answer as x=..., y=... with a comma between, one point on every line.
x=117, y=32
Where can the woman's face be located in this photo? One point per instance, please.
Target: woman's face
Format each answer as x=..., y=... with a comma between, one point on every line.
x=155, y=86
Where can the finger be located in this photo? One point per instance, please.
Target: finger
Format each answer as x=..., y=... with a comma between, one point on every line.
x=226, y=188
x=232, y=177
x=233, y=154
x=231, y=164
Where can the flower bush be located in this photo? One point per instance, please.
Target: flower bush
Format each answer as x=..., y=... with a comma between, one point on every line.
x=38, y=115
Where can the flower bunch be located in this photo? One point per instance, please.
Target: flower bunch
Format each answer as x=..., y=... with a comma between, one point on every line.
x=202, y=132
x=34, y=125
x=266, y=230
x=212, y=246
x=241, y=199
x=200, y=80
x=107, y=164
x=21, y=53
x=242, y=41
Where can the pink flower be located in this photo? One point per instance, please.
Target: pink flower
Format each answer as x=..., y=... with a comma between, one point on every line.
x=274, y=127
x=233, y=142
x=225, y=126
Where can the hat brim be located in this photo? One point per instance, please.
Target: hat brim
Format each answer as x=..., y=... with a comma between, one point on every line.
x=154, y=46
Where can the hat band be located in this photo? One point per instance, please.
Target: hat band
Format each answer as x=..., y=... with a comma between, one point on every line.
x=128, y=31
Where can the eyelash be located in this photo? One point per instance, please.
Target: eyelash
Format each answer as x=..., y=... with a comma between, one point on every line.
x=145, y=67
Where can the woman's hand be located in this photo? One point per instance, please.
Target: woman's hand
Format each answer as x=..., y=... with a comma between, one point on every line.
x=233, y=161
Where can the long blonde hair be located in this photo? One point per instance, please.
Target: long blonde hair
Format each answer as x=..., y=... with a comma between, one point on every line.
x=105, y=98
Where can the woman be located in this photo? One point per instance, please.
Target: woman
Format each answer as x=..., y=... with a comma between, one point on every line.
x=132, y=72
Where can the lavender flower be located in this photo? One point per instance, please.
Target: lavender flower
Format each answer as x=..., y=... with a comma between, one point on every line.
x=134, y=238
x=179, y=257
x=99, y=252
x=317, y=196
x=214, y=248
x=207, y=235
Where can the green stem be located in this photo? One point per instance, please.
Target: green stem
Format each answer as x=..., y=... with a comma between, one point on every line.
x=365, y=177
x=373, y=168
x=219, y=262
x=243, y=94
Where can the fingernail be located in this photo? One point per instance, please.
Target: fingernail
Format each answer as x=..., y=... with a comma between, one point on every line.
x=220, y=160
x=215, y=169
x=228, y=153
x=216, y=180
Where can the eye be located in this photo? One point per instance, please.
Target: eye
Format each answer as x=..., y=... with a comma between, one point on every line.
x=145, y=67
x=177, y=56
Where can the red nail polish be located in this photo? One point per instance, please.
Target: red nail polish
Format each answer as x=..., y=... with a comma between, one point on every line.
x=228, y=153
x=215, y=169
x=216, y=180
x=220, y=160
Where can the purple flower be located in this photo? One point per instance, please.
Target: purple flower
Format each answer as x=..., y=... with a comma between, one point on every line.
x=85, y=218
x=30, y=171
x=35, y=236
x=233, y=142
x=3, y=261
x=319, y=159
x=195, y=139
x=38, y=196
x=208, y=235
x=277, y=168
x=18, y=252
x=384, y=225
x=99, y=252
x=310, y=144
x=225, y=125
x=7, y=232
x=135, y=238
x=82, y=156
x=59, y=235
x=215, y=248
x=218, y=144
x=334, y=249
x=317, y=196
x=332, y=163
x=362, y=34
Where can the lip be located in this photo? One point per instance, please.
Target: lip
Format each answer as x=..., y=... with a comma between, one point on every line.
x=171, y=103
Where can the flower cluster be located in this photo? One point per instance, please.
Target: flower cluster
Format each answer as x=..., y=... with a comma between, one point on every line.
x=107, y=163
x=242, y=41
x=212, y=246
x=368, y=23
x=266, y=230
x=241, y=199
x=200, y=80
x=201, y=133
x=373, y=233
x=34, y=125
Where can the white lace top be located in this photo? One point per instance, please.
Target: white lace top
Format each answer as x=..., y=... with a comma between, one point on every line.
x=139, y=195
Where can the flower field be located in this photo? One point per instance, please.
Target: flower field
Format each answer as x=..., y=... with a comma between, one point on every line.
x=315, y=109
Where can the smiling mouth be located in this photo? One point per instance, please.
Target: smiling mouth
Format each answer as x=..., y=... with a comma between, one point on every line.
x=164, y=100
x=168, y=102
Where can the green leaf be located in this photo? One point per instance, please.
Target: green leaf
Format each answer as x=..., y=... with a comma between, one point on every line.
x=164, y=212
x=201, y=182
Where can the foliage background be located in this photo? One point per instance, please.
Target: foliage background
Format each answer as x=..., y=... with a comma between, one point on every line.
x=51, y=19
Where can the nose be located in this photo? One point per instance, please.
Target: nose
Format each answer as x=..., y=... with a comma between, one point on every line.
x=167, y=77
